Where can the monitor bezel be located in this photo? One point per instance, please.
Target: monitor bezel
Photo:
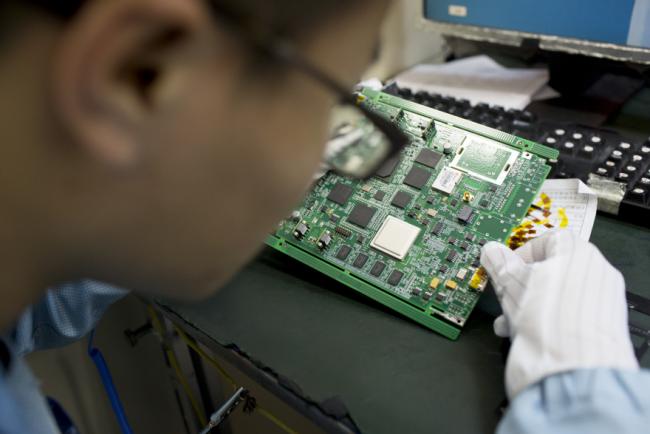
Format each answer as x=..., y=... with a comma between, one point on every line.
x=515, y=38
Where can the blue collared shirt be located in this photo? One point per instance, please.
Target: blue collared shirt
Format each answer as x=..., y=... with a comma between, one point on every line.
x=66, y=314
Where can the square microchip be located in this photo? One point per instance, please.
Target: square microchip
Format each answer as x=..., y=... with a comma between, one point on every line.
x=340, y=193
x=380, y=195
x=465, y=213
x=387, y=169
x=395, y=277
x=361, y=215
x=417, y=177
x=360, y=260
x=343, y=253
x=428, y=158
x=437, y=229
x=401, y=199
x=447, y=180
x=395, y=237
x=377, y=269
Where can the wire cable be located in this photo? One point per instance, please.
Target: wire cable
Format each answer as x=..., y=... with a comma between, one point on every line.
x=109, y=386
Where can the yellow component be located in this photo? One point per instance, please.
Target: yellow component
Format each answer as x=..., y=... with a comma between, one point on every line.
x=564, y=220
x=451, y=284
x=432, y=212
x=478, y=279
x=434, y=283
x=467, y=196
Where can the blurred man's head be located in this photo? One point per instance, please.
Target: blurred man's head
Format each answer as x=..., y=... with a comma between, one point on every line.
x=144, y=143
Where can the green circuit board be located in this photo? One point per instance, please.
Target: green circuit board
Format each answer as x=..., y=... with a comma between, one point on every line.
x=410, y=237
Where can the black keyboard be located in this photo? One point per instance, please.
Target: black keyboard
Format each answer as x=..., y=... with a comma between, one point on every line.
x=584, y=151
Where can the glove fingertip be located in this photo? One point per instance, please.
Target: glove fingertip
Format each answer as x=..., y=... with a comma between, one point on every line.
x=501, y=327
x=493, y=254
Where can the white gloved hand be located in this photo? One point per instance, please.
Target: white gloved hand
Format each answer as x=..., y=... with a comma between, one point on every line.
x=563, y=307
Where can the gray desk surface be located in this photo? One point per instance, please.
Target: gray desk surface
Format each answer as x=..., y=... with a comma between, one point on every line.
x=393, y=375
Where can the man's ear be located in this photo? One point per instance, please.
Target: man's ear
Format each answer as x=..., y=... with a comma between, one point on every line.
x=116, y=63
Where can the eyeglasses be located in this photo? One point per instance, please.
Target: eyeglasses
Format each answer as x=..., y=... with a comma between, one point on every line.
x=362, y=139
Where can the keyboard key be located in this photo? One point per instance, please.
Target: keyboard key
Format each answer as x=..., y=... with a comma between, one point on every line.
x=638, y=194
x=597, y=140
x=624, y=146
x=568, y=146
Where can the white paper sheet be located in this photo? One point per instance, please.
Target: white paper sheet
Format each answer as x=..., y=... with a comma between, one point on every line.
x=479, y=79
x=578, y=202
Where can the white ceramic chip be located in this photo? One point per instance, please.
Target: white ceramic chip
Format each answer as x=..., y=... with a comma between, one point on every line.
x=447, y=180
x=395, y=237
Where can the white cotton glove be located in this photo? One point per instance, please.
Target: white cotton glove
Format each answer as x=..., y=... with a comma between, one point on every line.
x=563, y=307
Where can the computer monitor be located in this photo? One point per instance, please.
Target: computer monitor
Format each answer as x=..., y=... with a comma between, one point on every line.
x=613, y=29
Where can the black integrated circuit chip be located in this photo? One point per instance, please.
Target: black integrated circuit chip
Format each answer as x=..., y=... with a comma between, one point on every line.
x=360, y=260
x=343, y=253
x=377, y=268
x=387, y=169
x=361, y=215
x=340, y=193
x=380, y=195
x=343, y=231
x=401, y=199
x=437, y=229
x=451, y=255
x=417, y=177
x=429, y=158
x=465, y=213
x=395, y=277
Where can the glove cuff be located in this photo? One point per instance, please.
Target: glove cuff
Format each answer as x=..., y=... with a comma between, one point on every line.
x=528, y=364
